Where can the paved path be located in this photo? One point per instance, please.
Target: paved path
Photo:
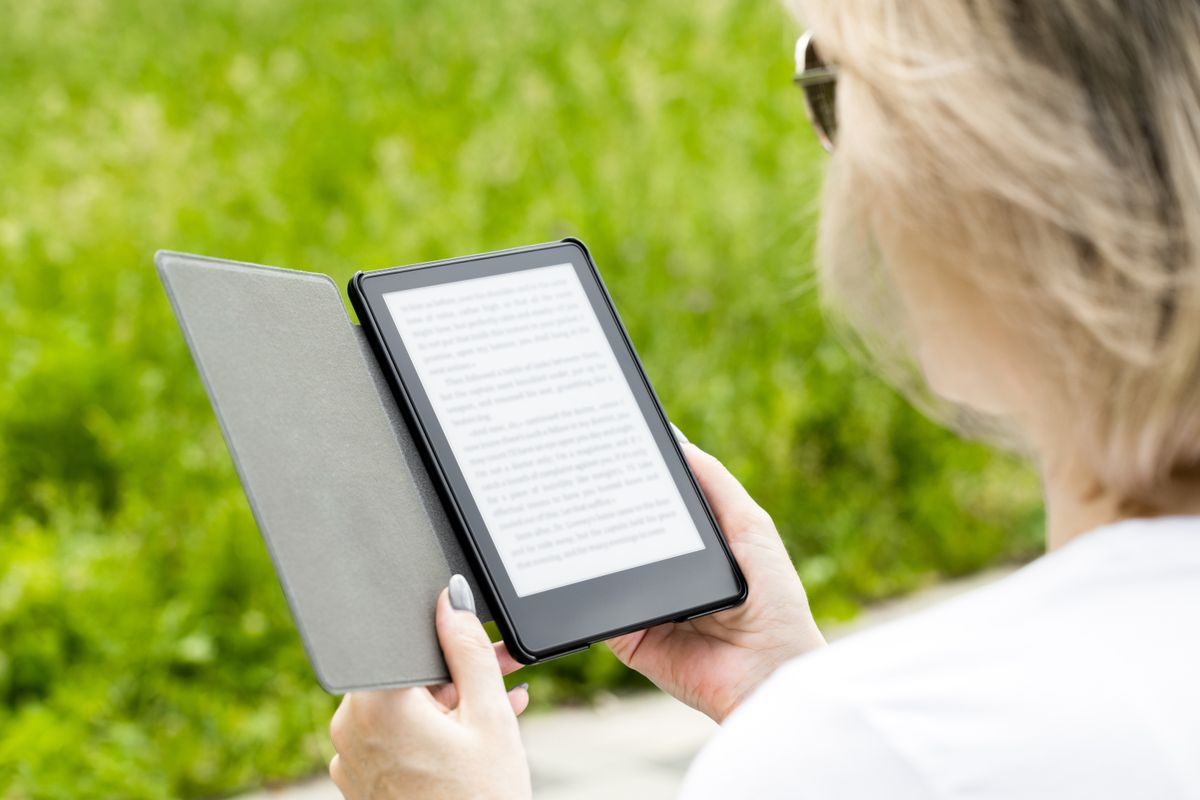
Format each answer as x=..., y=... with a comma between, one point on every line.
x=636, y=746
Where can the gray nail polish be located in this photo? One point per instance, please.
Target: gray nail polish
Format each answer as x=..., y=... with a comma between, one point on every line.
x=678, y=434
x=461, y=597
x=524, y=686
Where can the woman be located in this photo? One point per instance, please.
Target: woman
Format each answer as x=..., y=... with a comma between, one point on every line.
x=1026, y=176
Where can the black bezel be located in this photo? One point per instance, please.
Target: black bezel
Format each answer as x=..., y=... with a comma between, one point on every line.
x=557, y=621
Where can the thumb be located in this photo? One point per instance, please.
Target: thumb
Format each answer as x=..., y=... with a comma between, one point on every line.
x=729, y=500
x=469, y=653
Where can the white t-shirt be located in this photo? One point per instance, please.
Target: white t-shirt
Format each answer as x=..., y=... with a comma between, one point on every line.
x=1076, y=677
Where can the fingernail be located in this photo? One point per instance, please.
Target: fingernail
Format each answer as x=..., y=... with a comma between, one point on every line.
x=678, y=434
x=461, y=597
x=524, y=686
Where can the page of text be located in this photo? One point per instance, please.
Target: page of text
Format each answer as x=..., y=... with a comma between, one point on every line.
x=544, y=426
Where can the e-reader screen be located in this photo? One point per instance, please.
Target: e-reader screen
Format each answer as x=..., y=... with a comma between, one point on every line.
x=545, y=428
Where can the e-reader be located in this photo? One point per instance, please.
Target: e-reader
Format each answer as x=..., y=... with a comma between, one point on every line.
x=547, y=445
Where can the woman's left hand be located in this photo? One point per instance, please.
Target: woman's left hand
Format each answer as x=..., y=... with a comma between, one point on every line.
x=454, y=741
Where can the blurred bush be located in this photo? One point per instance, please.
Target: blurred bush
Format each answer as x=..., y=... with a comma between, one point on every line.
x=145, y=648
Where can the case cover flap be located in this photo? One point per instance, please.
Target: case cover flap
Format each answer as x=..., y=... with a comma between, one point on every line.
x=358, y=536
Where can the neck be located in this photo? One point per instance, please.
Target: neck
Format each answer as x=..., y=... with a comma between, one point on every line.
x=1077, y=502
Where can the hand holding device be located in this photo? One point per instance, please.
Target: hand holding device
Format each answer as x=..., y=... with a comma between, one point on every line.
x=454, y=740
x=712, y=663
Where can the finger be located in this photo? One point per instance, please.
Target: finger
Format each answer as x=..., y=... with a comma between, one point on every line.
x=339, y=725
x=447, y=695
x=508, y=664
x=337, y=773
x=729, y=500
x=469, y=653
x=678, y=433
x=365, y=714
x=518, y=698
x=626, y=645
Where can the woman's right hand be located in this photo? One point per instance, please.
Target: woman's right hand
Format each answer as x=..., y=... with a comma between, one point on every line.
x=714, y=662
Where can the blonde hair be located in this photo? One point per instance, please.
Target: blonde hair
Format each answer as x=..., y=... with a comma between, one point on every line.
x=1051, y=152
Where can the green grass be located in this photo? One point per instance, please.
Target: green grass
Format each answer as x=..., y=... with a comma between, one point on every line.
x=145, y=648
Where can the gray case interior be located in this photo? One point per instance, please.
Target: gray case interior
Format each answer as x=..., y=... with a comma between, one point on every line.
x=358, y=536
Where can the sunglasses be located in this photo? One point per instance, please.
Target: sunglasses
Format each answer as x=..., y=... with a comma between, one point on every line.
x=818, y=80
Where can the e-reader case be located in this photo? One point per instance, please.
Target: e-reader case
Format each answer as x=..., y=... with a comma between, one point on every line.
x=359, y=539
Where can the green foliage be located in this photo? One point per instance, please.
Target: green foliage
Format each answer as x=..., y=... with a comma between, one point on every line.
x=145, y=648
